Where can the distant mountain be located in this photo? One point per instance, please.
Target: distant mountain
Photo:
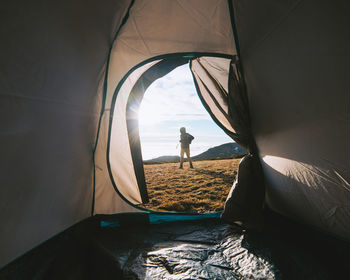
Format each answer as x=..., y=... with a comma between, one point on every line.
x=223, y=151
x=164, y=159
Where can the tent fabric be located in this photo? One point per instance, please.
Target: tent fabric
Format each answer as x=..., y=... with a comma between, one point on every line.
x=124, y=136
x=211, y=78
x=211, y=249
x=52, y=61
x=67, y=70
x=120, y=158
x=164, y=246
x=295, y=60
x=155, y=72
x=245, y=202
x=239, y=107
x=220, y=86
x=154, y=29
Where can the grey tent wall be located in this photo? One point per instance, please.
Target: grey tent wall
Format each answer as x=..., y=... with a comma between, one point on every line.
x=52, y=59
x=296, y=61
x=227, y=104
x=246, y=199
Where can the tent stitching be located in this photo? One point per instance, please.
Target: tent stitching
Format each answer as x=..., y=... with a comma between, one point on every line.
x=191, y=16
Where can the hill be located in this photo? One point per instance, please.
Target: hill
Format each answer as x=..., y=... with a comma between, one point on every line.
x=228, y=150
x=164, y=159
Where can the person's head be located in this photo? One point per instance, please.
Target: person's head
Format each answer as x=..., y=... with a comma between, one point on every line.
x=183, y=130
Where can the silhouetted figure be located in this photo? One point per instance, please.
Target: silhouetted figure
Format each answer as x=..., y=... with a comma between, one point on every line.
x=185, y=140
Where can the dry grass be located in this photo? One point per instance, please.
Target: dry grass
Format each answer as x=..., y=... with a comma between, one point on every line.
x=202, y=189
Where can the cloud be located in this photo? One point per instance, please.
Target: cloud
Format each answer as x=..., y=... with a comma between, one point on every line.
x=170, y=103
x=172, y=97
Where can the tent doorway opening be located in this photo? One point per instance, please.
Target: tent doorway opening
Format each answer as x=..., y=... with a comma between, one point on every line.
x=168, y=104
x=197, y=98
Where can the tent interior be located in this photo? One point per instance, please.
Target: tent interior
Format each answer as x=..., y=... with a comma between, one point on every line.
x=271, y=74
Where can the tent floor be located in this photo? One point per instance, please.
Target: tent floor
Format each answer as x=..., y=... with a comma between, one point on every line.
x=201, y=249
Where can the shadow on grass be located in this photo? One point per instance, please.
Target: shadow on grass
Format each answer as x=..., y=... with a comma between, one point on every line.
x=221, y=174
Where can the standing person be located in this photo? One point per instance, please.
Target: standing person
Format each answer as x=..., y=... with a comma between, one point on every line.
x=185, y=140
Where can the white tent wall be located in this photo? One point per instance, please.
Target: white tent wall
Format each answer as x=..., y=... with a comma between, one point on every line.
x=52, y=65
x=155, y=28
x=295, y=57
x=119, y=142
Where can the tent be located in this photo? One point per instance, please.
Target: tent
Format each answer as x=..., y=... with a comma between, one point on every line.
x=272, y=74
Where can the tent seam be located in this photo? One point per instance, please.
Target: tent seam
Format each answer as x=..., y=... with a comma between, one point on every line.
x=105, y=83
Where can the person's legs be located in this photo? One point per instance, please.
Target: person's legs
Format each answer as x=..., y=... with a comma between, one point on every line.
x=182, y=152
x=189, y=157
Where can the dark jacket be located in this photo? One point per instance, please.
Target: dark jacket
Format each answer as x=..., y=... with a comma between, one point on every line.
x=185, y=140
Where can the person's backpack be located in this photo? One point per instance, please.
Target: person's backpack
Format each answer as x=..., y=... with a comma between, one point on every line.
x=190, y=138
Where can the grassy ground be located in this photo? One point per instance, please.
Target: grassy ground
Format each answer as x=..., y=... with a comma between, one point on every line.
x=202, y=189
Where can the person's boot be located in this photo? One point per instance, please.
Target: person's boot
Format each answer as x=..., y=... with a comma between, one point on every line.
x=191, y=166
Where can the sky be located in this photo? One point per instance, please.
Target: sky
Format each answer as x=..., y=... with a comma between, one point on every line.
x=168, y=104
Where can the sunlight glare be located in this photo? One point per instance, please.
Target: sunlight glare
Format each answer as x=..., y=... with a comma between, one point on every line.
x=168, y=104
x=149, y=115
